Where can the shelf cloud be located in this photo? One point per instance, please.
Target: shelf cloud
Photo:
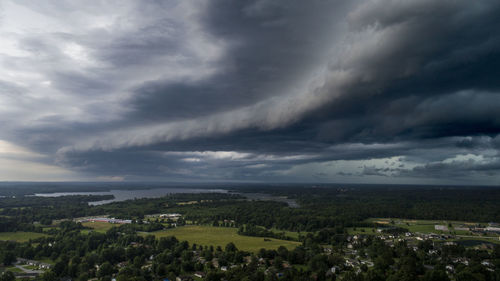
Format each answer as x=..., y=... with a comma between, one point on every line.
x=375, y=91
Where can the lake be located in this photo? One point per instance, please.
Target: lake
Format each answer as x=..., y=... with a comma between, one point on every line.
x=122, y=195
x=268, y=197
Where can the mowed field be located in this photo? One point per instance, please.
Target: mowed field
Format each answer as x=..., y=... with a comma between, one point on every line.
x=98, y=226
x=427, y=226
x=20, y=236
x=422, y=226
x=291, y=234
x=220, y=236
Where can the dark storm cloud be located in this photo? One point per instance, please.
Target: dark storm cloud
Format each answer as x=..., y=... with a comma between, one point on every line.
x=430, y=72
x=264, y=90
x=457, y=169
x=410, y=79
x=270, y=45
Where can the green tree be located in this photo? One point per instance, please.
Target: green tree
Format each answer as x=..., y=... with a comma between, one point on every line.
x=230, y=247
x=7, y=276
x=49, y=276
x=436, y=275
x=106, y=269
x=351, y=276
x=8, y=258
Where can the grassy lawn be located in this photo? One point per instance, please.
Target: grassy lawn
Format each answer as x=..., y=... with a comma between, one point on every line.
x=11, y=269
x=479, y=238
x=362, y=230
x=32, y=267
x=292, y=234
x=300, y=267
x=220, y=236
x=47, y=260
x=99, y=226
x=463, y=232
x=20, y=236
x=424, y=226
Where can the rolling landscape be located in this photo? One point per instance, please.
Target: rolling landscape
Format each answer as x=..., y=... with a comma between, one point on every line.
x=250, y=140
x=319, y=232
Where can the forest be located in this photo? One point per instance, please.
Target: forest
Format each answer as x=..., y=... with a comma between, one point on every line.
x=322, y=224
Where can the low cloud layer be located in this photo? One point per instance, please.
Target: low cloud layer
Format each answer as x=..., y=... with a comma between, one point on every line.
x=375, y=91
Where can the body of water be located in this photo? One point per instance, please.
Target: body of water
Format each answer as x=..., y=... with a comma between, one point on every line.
x=122, y=195
x=268, y=197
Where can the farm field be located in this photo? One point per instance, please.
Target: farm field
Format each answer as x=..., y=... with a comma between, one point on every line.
x=20, y=236
x=476, y=240
x=98, y=226
x=220, y=236
x=423, y=226
x=292, y=234
x=426, y=226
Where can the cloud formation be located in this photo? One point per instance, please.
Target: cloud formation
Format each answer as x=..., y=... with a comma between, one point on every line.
x=324, y=91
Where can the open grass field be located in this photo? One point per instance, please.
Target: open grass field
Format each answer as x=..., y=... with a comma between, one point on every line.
x=422, y=226
x=31, y=267
x=99, y=226
x=220, y=236
x=46, y=260
x=20, y=236
x=11, y=269
x=412, y=221
x=292, y=234
x=480, y=239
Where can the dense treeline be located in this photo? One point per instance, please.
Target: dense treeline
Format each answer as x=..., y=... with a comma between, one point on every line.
x=128, y=256
x=140, y=207
x=35, y=201
x=134, y=227
x=258, y=213
x=319, y=207
x=258, y=231
x=8, y=224
x=330, y=208
x=424, y=203
x=34, y=209
x=128, y=252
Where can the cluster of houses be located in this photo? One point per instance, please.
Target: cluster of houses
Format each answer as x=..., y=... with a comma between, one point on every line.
x=39, y=265
x=491, y=228
x=35, y=268
x=103, y=219
x=168, y=216
x=171, y=217
x=353, y=261
x=441, y=227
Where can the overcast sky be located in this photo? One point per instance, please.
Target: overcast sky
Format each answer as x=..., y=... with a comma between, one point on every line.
x=375, y=91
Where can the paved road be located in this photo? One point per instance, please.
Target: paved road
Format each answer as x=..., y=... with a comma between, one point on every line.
x=25, y=270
